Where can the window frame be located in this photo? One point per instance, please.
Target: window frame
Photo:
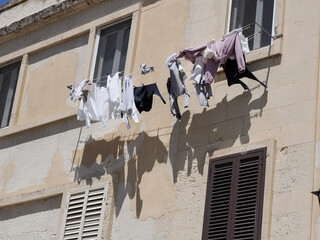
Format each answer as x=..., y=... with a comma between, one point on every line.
x=235, y=159
x=97, y=42
x=255, y=26
x=86, y=191
x=10, y=112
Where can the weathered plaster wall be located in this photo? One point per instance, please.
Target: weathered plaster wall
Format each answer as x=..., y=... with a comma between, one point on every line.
x=160, y=165
x=49, y=73
x=37, y=220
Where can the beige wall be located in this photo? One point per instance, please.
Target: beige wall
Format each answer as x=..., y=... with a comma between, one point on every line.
x=158, y=169
x=37, y=220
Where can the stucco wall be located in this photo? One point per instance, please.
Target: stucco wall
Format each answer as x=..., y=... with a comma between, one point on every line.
x=159, y=167
x=63, y=64
x=37, y=220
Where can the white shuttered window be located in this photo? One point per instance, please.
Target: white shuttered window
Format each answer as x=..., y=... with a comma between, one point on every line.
x=85, y=213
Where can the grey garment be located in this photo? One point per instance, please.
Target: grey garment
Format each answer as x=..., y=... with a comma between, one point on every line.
x=201, y=88
x=203, y=92
x=176, y=87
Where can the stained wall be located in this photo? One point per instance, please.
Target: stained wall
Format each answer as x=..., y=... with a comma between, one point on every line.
x=158, y=169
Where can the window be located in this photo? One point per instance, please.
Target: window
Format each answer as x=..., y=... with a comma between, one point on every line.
x=234, y=198
x=8, y=82
x=244, y=12
x=112, y=49
x=85, y=214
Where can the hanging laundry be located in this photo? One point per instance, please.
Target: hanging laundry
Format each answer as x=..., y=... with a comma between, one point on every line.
x=128, y=106
x=101, y=103
x=207, y=53
x=192, y=53
x=114, y=90
x=76, y=90
x=222, y=49
x=244, y=43
x=233, y=76
x=145, y=69
x=244, y=47
x=201, y=88
x=143, y=97
x=176, y=87
x=203, y=92
x=88, y=109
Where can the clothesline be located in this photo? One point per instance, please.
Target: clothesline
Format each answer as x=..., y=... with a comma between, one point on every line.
x=105, y=76
x=103, y=103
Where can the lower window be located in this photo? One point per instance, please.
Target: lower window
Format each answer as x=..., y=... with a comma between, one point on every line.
x=234, y=200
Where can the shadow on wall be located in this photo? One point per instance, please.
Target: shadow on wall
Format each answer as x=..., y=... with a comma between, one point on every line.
x=140, y=154
x=127, y=158
x=31, y=208
x=209, y=127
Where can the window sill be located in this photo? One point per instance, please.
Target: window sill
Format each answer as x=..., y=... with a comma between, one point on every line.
x=36, y=123
x=265, y=52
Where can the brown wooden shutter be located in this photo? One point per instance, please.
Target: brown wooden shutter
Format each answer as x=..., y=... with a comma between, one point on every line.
x=234, y=197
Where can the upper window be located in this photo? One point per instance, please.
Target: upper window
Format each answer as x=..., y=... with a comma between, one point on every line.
x=244, y=12
x=112, y=49
x=85, y=214
x=235, y=196
x=8, y=82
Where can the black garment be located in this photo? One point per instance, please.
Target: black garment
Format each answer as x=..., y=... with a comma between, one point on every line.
x=231, y=70
x=143, y=96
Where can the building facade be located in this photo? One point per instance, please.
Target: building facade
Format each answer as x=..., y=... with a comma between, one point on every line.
x=243, y=167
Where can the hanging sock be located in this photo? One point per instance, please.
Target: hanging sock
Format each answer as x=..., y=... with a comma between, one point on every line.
x=145, y=69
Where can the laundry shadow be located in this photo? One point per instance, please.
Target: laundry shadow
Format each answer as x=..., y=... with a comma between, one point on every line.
x=125, y=160
x=224, y=124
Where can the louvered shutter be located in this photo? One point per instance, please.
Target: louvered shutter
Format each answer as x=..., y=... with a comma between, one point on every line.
x=85, y=211
x=234, y=197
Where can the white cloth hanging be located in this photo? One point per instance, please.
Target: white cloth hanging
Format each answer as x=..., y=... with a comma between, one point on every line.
x=76, y=90
x=128, y=106
x=114, y=90
x=88, y=109
x=102, y=103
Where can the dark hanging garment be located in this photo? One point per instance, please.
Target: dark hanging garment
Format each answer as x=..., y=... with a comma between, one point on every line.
x=143, y=96
x=233, y=76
